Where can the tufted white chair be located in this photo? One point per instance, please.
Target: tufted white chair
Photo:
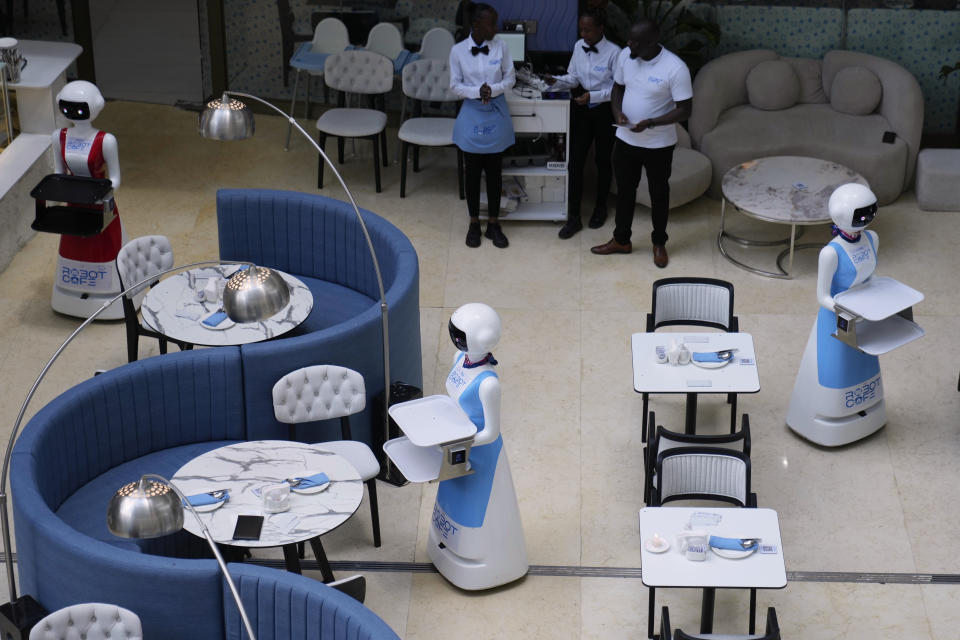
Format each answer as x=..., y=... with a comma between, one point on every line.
x=330, y=36
x=142, y=258
x=360, y=72
x=384, y=38
x=427, y=81
x=89, y=621
x=323, y=392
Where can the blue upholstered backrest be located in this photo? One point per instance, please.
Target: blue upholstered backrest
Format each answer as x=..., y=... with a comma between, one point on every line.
x=125, y=413
x=306, y=234
x=286, y=606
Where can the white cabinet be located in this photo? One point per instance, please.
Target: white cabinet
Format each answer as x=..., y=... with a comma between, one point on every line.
x=534, y=115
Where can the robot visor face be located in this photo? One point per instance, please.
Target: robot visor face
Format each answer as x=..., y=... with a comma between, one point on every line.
x=75, y=110
x=458, y=337
x=864, y=215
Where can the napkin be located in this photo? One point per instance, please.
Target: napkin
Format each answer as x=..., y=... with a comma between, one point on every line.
x=707, y=356
x=190, y=311
x=728, y=543
x=215, y=318
x=201, y=499
x=315, y=480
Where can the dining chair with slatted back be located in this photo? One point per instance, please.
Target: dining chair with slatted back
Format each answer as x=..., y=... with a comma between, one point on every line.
x=661, y=439
x=703, y=473
x=772, y=631
x=690, y=301
x=325, y=392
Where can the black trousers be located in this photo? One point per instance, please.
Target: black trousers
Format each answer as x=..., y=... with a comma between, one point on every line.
x=631, y=161
x=586, y=127
x=490, y=164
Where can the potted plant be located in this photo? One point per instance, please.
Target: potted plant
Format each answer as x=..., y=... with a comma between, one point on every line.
x=681, y=30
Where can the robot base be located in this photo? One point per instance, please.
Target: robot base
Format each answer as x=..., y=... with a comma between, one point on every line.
x=487, y=556
x=83, y=305
x=822, y=415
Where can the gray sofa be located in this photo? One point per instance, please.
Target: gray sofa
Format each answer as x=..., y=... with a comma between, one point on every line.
x=752, y=104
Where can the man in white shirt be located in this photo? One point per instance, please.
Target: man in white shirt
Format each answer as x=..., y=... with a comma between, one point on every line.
x=652, y=91
x=590, y=75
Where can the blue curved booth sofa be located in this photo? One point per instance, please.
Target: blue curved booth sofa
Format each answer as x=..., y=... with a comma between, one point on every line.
x=319, y=240
x=154, y=415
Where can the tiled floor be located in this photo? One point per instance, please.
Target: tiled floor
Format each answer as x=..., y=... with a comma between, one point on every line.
x=888, y=504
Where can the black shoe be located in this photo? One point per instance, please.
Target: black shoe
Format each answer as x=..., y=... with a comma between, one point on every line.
x=473, y=235
x=495, y=233
x=570, y=229
x=597, y=219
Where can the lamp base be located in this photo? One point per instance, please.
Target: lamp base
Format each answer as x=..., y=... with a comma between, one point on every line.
x=18, y=617
x=399, y=392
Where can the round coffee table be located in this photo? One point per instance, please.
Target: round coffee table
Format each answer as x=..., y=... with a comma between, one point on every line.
x=245, y=468
x=790, y=190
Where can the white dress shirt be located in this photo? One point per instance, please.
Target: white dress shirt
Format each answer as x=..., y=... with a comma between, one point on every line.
x=652, y=88
x=468, y=72
x=592, y=71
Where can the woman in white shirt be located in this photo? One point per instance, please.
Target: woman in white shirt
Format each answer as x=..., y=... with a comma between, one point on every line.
x=481, y=70
x=590, y=75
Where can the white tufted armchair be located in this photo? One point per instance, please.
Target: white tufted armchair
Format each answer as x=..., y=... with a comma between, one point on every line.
x=89, y=621
x=137, y=260
x=360, y=72
x=323, y=392
x=427, y=81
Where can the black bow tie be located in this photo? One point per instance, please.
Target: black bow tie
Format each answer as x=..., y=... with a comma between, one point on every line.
x=485, y=50
x=590, y=48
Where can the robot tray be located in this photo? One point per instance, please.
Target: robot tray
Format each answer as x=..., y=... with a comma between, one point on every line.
x=87, y=206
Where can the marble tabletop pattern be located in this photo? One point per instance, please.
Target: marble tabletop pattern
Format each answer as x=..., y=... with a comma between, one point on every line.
x=246, y=467
x=172, y=308
x=786, y=189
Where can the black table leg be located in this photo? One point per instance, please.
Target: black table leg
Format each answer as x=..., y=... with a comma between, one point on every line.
x=291, y=558
x=325, y=569
x=706, y=610
x=650, y=609
x=690, y=426
x=753, y=611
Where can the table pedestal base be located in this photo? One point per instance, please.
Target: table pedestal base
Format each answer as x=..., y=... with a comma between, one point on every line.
x=748, y=242
x=291, y=558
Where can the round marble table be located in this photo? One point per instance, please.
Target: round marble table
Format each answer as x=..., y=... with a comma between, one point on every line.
x=790, y=190
x=172, y=308
x=246, y=467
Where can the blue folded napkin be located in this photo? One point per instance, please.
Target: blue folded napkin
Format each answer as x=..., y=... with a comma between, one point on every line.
x=707, y=356
x=202, y=499
x=315, y=480
x=215, y=318
x=727, y=543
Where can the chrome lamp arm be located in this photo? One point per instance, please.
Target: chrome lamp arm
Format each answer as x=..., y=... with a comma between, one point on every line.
x=4, y=516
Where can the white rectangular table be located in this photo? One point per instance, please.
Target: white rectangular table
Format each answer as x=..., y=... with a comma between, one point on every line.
x=739, y=376
x=671, y=569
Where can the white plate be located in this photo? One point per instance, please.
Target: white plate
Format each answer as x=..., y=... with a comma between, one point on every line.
x=734, y=554
x=711, y=365
x=309, y=490
x=648, y=545
x=204, y=508
x=226, y=324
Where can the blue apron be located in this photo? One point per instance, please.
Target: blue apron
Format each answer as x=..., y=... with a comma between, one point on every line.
x=838, y=365
x=484, y=128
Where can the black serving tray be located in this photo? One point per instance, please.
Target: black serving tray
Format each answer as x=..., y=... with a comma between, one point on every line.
x=88, y=207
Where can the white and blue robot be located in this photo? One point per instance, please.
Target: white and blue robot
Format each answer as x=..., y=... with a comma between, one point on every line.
x=838, y=394
x=476, y=536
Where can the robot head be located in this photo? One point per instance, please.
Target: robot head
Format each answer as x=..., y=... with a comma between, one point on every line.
x=80, y=100
x=475, y=328
x=852, y=207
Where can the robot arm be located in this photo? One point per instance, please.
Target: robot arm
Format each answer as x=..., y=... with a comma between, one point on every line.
x=826, y=268
x=490, y=399
x=57, y=153
x=111, y=157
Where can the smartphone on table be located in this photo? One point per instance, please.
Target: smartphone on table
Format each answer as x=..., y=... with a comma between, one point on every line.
x=248, y=527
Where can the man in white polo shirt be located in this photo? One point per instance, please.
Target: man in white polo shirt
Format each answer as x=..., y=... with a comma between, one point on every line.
x=651, y=91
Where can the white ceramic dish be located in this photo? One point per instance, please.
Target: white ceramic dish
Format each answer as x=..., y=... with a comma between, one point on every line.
x=734, y=554
x=205, y=508
x=309, y=490
x=649, y=546
x=226, y=323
